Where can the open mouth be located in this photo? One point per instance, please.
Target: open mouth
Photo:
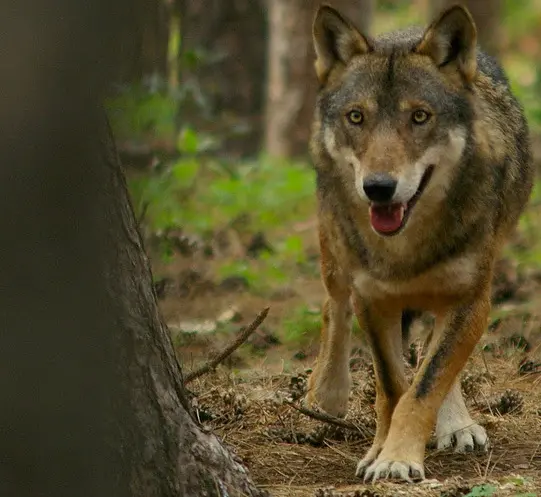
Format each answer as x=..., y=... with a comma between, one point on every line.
x=390, y=219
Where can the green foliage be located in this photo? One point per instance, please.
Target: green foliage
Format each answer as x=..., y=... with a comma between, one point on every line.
x=484, y=490
x=526, y=85
x=520, y=16
x=292, y=249
x=270, y=191
x=528, y=252
x=269, y=270
x=301, y=326
x=136, y=113
x=260, y=275
x=304, y=325
x=201, y=195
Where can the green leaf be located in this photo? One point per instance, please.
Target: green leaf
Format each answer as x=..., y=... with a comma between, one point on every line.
x=185, y=172
x=485, y=490
x=188, y=141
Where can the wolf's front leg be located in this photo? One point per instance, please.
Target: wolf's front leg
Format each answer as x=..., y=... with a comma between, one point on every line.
x=329, y=384
x=415, y=414
x=383, y=330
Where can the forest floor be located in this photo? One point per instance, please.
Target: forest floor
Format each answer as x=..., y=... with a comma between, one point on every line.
x=246, y=400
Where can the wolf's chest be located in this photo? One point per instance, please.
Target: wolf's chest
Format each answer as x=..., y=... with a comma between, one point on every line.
x=451, y=278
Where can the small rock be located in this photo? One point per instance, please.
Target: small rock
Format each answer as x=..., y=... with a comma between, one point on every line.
x=231, y=315
x=200, y=327
x=188, y=331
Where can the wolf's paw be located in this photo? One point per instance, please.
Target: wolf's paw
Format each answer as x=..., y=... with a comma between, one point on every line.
x=367, y=460
x=464, y=438
x=388, y=469
x=330, y=394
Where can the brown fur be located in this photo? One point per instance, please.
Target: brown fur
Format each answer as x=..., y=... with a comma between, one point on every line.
x=441, y=260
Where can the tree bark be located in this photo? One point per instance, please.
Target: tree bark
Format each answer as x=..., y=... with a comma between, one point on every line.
x=167, y=451
x=91, y=393
x=486, y=14
x=291, y=84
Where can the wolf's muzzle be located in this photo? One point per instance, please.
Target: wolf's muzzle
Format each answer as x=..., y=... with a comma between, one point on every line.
x=379, y=187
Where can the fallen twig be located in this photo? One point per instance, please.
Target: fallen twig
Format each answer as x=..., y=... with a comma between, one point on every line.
x=327, y=418
x=224, y=354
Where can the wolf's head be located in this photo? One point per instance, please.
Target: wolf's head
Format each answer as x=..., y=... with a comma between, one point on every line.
x=393, y=112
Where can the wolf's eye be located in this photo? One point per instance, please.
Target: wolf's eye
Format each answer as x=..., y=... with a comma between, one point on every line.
x=420, y=117
x=355, y=117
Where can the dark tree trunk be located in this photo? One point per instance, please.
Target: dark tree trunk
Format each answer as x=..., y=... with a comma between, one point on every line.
x=92, y=401
x=232, y=36
x=145, y=46
x=486, y=14
x=167, y=451
x=291, y=84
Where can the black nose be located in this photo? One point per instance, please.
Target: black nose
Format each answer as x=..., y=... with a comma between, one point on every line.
x=379, y=187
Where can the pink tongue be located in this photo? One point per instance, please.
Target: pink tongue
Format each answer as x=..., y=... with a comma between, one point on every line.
x=386, y=218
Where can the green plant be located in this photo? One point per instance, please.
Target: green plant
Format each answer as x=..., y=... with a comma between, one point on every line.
x=301, y=326
x=485, y=490
x=137, y=112
x=199, y=194
x=260, y=275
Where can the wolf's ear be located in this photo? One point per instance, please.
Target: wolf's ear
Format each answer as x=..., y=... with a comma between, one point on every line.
x=452, y=40
x=336, y=40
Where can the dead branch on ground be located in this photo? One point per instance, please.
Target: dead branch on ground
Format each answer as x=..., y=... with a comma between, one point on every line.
x=327, y=418
x=225, y=353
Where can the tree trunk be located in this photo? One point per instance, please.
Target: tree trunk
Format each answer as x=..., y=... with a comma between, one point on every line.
x=92, y=400
x=291, y=84
x=230, y=77
x=486, y=14
x=145, y=45
x=167, y=451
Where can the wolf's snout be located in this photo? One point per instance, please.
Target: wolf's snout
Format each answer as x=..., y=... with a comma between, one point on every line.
x=379, y=187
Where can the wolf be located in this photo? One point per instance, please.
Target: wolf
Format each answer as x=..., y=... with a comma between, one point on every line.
x=423, y=167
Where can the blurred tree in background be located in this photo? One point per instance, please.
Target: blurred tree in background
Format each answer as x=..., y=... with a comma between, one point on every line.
x=486, y=14
x=144, y=47
x=291, y=84
x=227, y=41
